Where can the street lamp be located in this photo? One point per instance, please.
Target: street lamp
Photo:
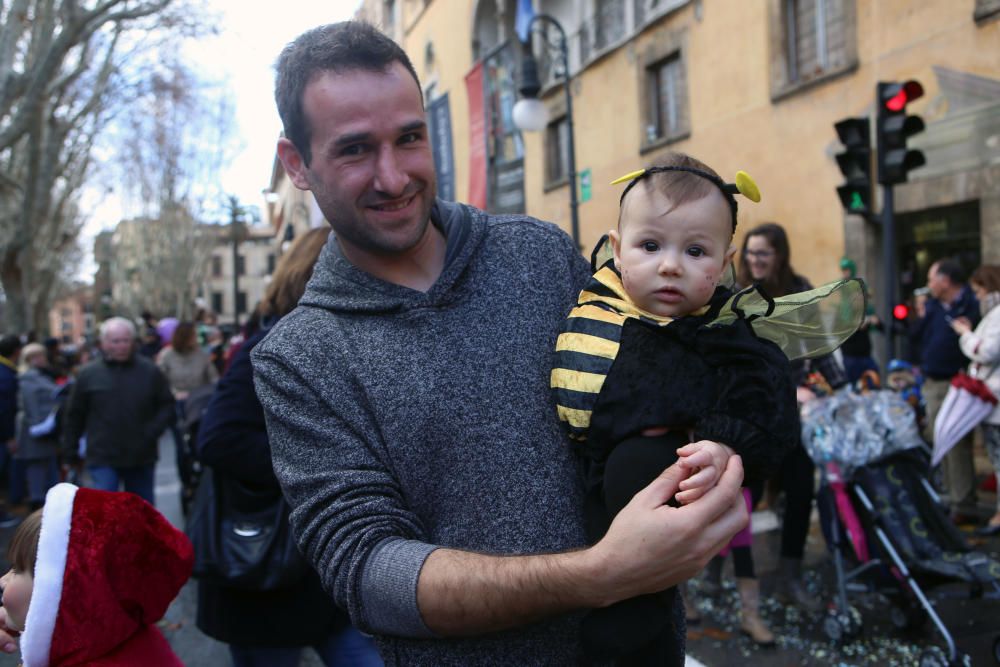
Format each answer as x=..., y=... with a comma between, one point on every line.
x=531, y=115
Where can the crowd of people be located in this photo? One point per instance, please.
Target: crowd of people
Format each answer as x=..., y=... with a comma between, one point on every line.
x=396, y=388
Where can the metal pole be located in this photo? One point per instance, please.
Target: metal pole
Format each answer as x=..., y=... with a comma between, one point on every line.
x=889, y=262
x=233, y=221
x=571, y=152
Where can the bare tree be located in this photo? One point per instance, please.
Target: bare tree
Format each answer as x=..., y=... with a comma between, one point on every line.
x=175, y=139
x=56, y=62
x=59, y=85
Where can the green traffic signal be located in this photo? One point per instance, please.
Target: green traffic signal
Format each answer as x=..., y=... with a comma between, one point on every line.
x=857, y=203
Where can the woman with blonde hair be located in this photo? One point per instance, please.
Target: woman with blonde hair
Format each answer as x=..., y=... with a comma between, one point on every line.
x=268, y=627
x=982, y=346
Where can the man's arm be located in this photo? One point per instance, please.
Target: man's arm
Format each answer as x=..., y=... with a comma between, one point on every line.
x=76, y=413
x=164, y=411
x=374, y=555
x=650, y=546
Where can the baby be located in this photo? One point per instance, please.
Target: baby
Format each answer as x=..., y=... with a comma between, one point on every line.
x=92, y=571
x=644, y=376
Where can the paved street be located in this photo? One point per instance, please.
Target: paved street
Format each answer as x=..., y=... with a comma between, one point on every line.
x=716, y=641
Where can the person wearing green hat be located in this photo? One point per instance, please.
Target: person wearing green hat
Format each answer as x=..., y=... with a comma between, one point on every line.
x=857, y=349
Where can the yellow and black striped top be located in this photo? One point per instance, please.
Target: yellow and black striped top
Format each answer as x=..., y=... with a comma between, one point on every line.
x=588, y=346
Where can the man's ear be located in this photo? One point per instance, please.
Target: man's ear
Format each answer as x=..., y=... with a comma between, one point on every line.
x=295, y=166
x=616, y=246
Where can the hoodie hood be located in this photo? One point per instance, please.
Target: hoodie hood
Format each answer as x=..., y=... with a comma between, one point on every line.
x=338, y=285
x=108, y=566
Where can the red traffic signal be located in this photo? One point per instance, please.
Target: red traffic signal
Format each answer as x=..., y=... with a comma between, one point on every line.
x=900, y=311
x=893, y=128
x=903, y=95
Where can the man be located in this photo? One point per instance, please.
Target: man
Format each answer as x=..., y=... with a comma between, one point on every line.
x=940, y=359
x=407, y=397
x=10, y=350
x=121, y=403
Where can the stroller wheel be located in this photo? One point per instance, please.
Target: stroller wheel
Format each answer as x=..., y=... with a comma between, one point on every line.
x=842, y=624
x=933, y=657
x=832, y=627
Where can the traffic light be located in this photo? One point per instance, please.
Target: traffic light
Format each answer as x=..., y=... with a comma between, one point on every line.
x=900, y=312
x=855, y=163
x=894, y=127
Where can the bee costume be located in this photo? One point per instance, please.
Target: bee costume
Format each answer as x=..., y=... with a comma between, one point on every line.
x=721, y=373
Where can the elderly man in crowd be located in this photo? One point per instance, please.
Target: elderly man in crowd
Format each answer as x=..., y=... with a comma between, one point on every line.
x=122, y=404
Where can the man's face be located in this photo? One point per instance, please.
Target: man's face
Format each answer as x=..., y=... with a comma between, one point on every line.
x=672, y=257
x=937, y=283
x=372, y=170
x=116, y=343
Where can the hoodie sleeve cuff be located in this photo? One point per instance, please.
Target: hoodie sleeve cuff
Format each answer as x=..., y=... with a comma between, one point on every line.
x=389, y=588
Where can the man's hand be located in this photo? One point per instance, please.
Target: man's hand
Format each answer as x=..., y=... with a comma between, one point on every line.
x=649, y=547
x=705, y=460
x=8, y=637
x=652, y=546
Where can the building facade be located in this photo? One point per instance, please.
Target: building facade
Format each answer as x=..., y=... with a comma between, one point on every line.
x=741, y=85
x=72, y=316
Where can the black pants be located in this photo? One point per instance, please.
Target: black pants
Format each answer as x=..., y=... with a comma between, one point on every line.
x=796, y=478
x=643, y=630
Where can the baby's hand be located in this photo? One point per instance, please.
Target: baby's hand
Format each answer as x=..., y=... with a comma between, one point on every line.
x=706, y=460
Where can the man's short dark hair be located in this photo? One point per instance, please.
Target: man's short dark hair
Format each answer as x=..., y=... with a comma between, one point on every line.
x=9, y=345
x=951, y=270
x=337, y=47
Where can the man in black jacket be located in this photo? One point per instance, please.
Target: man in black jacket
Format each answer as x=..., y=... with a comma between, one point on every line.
x=122, y=404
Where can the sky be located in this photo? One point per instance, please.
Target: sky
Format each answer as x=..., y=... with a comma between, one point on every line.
x=244, y=52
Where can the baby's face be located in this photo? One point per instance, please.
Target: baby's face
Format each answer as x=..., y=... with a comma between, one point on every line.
x=17, y=588
x=672, y=257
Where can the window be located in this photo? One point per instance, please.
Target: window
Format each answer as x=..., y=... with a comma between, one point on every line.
x=609, y=22
x=216, y=266
x=216, y=302
x=817, y=41
x=241, y=302
x=666, y=94
x=241, y=265
x=270, y=263
x=557, y=152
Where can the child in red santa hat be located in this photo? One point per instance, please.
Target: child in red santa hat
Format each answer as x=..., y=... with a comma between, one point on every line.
x=92, y=572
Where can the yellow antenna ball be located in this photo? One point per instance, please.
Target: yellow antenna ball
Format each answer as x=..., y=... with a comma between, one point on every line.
x=628, y=177
x=747, y=187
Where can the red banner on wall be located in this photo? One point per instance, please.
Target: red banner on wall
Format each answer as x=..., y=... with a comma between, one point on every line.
x=477, y=137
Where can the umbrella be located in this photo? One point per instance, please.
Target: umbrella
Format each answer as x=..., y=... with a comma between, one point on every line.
x=967, y=403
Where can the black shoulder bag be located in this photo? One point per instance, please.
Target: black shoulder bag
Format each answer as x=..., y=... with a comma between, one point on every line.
x=241, y=537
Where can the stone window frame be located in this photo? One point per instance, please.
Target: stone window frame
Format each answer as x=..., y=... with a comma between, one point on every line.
x=664, y=45
x=782, y=83
x=556, y=106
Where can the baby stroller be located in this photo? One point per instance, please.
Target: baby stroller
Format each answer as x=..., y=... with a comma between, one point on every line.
x=883, y=522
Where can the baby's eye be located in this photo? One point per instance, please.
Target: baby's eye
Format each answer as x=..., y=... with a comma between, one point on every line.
x=696, y=251
x=649, y=246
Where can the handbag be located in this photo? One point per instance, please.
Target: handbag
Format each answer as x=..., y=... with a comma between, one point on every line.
x=241, y=537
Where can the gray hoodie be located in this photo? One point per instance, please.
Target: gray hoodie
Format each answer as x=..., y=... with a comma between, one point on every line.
x=401, y=421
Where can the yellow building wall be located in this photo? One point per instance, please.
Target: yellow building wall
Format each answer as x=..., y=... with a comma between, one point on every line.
x=787, y=145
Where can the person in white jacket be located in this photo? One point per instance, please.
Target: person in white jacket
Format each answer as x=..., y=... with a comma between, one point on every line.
x=982, y=346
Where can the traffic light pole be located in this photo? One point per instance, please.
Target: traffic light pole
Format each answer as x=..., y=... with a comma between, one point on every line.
x=889, y=266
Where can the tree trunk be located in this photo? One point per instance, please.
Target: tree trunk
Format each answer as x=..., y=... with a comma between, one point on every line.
x=15, y=312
